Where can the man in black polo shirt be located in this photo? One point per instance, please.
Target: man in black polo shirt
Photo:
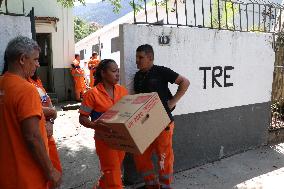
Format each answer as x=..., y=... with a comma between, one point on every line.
x=153, y=78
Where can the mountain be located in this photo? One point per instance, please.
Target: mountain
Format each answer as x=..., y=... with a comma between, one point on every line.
x=101, y=12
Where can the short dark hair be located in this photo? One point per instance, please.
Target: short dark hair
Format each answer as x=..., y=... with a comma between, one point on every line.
x=76, y=55
x=148, y=49
x=94, y=53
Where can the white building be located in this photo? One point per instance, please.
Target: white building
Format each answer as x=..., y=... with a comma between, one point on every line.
x=55, y=35
x=106, y=41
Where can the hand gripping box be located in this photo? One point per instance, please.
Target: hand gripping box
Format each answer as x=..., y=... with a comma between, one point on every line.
x=135, y=122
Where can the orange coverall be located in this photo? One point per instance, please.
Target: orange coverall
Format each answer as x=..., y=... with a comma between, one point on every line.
x=79, y=81
x=46, y=102
x=19, y=100
x=92, y=65
x=95, y=102
x=76, y=62
x=162, y=146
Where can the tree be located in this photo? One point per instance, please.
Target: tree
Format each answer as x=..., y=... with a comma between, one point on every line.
x=70, y=3
x=83, y=29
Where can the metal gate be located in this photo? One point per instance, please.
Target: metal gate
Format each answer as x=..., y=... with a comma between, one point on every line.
x=234, y=15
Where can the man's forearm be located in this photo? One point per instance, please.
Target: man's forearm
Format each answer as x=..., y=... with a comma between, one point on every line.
x=37, y=148
x=49, y=112
x=32, y=136
x=182, y=88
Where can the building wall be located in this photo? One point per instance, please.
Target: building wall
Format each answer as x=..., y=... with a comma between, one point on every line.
x=17, y=26
x=62, y=32
x=62, y=39
x=211, y=121
x=103, y=39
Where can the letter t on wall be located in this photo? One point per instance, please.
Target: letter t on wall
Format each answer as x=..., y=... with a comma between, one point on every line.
x=204, y=77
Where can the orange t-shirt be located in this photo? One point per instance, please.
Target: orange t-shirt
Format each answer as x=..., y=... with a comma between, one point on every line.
x=76, y=62
x=45, y=100
x=93, y=63
x=19, y=100
x=79, y=80
x=96, y=101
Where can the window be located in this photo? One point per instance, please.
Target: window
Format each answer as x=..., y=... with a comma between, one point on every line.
x=96, y=48
x=82, y=54
x=115, y=44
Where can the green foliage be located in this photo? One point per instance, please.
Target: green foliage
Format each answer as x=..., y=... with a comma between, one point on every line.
x=82, y=29
x=140, y=4
x=70, y=3
x=277, y=109
x=137, y=6
x=116, y=5
x=257, y=28
x=227, y=12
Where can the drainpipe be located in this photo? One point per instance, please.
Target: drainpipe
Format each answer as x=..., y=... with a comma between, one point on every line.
x=32, y=19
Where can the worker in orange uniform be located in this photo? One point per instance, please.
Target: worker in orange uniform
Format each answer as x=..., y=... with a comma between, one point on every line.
x=153, y=78
x=95, y=102
x=92, y=65
x=78, y=76
x=24, y=159
x=50, y=115
x=76, y=61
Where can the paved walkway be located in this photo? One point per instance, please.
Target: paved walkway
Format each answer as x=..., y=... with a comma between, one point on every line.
x=261, y=168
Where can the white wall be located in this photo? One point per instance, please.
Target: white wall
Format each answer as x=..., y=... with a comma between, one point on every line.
x=250, y=54
x=111, y=30
x=17, y=26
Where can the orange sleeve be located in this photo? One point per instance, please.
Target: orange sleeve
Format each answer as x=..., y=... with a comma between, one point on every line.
x=123, y=91
x=29, y=103
x=87, y=103
x=97, y=62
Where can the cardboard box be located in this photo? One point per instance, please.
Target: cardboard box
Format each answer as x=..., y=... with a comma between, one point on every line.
x=136, y=121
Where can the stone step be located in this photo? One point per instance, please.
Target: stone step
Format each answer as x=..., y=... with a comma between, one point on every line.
x=54, y=101
x=71, y=106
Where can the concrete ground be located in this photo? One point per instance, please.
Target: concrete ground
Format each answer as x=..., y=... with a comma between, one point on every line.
x=262, y=168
